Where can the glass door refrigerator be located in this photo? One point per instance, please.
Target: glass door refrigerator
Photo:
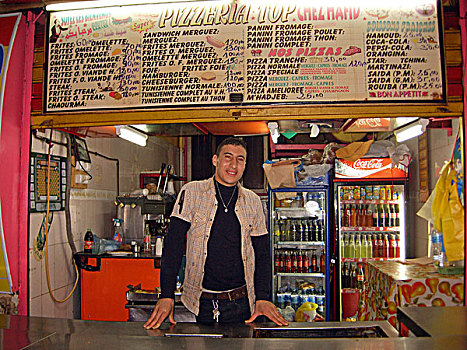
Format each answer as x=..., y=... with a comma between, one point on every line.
x=300, y=227
x=369, y=224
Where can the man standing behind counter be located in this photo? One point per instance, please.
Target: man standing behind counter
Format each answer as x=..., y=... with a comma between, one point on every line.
x=228, y=265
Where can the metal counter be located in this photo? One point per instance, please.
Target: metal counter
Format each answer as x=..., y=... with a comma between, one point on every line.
x=434, y=321
x=19, y=332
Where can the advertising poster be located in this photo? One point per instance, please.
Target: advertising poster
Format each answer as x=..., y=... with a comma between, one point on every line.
x=244, y=53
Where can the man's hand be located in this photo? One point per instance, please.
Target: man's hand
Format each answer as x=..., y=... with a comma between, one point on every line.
x=163, y=308
x=268, y=309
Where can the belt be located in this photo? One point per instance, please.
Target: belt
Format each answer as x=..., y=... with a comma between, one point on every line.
x=231, y=295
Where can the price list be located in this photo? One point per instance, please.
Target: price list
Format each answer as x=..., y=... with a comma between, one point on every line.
x=243, y=53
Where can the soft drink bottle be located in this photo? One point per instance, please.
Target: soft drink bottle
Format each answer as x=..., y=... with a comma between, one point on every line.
x=353, y=216
x=294, y=262
x=322, y=262
x=276, y=262
x=396, y=214
x=299, y=262
x=386, y=215
x=360, y=277
x=351, y=246
x=343, y=273
x=392, y=246
x=358, y=246
x=314, y=263
x=293, y=232
x=88, y=241
x=380, y=246
x=375, y=215
x=374, y=243
x=306, y=263
x=288, y=262
x=364, y=246
x=369, y=215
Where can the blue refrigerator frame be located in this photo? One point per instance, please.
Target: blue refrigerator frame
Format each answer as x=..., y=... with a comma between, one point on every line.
x=325, y=186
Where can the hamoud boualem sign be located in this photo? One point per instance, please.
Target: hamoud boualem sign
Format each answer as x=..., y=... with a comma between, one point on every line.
x=244, y=53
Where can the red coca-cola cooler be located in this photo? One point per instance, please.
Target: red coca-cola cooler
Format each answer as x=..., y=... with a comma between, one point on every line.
x=370, y=195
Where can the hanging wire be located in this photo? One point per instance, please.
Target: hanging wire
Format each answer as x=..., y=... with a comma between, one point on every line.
x=47, y=234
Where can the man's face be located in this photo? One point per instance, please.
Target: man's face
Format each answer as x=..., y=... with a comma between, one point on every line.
x=230, y=164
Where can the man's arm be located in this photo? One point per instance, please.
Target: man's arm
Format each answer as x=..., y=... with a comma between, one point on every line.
x=263, y=269
x=263, y=275
x=170, y=265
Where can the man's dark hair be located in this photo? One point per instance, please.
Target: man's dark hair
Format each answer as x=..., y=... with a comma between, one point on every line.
x=235, y=141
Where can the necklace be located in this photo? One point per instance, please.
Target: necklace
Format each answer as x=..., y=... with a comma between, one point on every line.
x=222, y=200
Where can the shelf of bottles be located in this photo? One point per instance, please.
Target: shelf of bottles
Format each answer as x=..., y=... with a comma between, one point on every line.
x=369, y=229
x=299, y=250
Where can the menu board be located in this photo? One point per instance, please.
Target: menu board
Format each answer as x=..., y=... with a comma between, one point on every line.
x=244, y=53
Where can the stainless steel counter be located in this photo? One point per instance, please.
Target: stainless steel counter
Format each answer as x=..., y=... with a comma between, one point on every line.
x=20, y=332
x=434, y=321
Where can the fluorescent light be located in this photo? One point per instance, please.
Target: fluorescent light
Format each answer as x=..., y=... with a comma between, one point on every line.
x=130, y=134
x=274, y=129
x=412, y=130
x=79, y=5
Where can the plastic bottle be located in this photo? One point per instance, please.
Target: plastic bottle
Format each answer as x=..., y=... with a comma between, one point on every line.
x=88, y=241
x=436, y=248
x=118, y=236
x=158, y=246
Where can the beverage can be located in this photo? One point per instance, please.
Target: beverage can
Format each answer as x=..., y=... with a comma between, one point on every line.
x=395, y=195
x=351, y=194
x=356, y=192
x=369, y=192
x=382, y=193
x=362, y=193
x=376, y=192
x=389, y=192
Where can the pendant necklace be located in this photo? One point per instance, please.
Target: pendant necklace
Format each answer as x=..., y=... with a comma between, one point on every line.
x=222, y=200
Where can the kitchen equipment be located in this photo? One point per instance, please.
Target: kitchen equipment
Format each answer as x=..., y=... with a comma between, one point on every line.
x=169, y=167
x=157, y=195
x=141, y=302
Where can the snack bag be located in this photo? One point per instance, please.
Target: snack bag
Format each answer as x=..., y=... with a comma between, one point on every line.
x=306, y=312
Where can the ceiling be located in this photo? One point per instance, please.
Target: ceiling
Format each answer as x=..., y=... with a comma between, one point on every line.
x=343, y=130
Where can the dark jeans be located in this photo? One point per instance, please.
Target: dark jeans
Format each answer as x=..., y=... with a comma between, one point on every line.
x=235, y=311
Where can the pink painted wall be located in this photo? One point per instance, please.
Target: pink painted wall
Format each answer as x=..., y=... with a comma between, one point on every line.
x=14, y=156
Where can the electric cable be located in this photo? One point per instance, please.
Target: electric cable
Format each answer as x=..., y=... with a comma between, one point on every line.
x=47, y=234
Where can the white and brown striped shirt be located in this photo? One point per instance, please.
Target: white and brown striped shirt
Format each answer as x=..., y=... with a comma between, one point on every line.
x=197, y=204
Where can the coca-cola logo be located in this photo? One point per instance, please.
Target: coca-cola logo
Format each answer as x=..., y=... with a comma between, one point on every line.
x=371, y=122
x=368, y=164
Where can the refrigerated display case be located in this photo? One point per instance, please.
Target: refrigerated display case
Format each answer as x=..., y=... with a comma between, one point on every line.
x=300, y=227
x=370, y=225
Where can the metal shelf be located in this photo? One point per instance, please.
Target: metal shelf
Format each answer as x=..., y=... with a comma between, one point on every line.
x=293, y=244
x=310, y=274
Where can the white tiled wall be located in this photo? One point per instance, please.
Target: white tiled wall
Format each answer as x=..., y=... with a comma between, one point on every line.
x=440, y=146
x=93, y=208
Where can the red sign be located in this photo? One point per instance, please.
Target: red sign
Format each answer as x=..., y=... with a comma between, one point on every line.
x=370, y=168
